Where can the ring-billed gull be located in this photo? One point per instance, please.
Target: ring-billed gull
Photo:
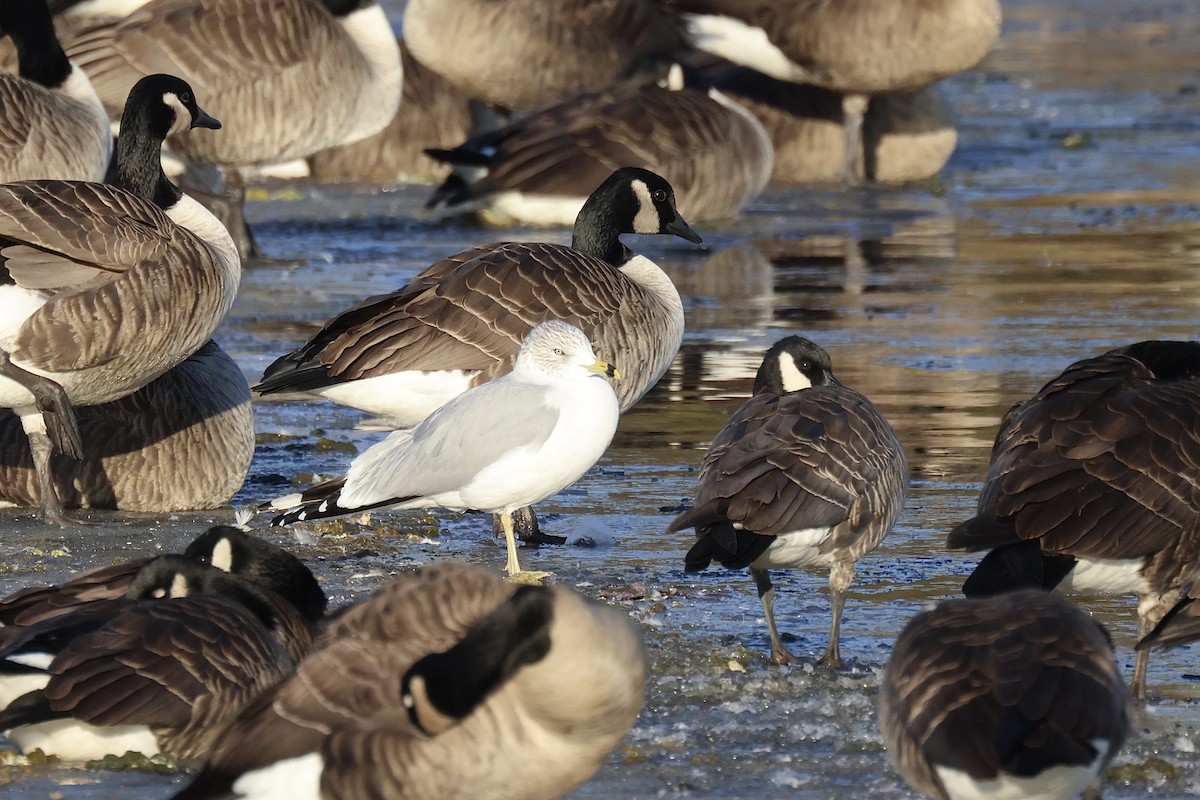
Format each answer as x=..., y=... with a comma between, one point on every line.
x=1094, y=485
x=807, y=473
x=509, y=443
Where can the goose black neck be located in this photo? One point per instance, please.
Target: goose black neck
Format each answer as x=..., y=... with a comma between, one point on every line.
x=40, y=57
x=1168, y=360
x=137, y=164
x=598, y=233
x=344, y=8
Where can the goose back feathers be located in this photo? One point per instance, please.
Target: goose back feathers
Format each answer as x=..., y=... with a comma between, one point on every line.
x=462, y=320
x=288, y=78
x=1094, y=483
x=446, y=661
x=1013, y=696
x=715, y=154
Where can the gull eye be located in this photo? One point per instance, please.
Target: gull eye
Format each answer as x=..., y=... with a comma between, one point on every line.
x=558, y=351
x=660, y=195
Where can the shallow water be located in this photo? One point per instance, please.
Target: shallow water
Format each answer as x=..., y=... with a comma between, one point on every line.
x=1064, y=225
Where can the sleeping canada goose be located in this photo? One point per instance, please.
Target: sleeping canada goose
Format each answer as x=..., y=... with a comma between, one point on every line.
x=54, y=125
x=860, y=48
x=159, y=670
x=807, y=473
x=540, y=169
x=222, y=546
x=497, y=447
x=462, y=320
x=90, y=319
x=1013, y=696
x=537, y=684
x=1094, y=485
x=432, y=112
x=288, y=78
x=523, y=54
x=907, y=136
x=182, y=442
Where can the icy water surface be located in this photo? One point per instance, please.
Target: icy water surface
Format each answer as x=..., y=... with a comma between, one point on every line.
x=1066, y=224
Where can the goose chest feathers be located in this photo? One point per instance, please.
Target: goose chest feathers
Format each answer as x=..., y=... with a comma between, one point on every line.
x=462, y=320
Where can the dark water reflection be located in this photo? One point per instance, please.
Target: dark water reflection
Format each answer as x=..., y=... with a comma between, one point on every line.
x=1065, y=225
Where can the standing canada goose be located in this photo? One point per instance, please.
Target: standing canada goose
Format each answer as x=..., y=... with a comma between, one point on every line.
x=1013, y=696
x=860, y=48
x=537, y=684
x=89, y=319
x=1094, y=485
x=499, y=447
x=540, y=169
x=461, y=321
x=182, y=442
x=77, y=309
x=432, y=111
x=907, y=136
x=524, y=54
x=288, y=78
x=807, y=473
x=54, y=125
x=186, y=648
x=222, y=546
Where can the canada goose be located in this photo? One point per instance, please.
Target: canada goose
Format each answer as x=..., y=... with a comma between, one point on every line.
x=288, y=78
x=807, y=473
x=537, y=684
x=860, y=48
x=221, y=546
x=498, y=447
x=907, y=136
x=432, y=112
x=1181, y=624
x=461, y=321
x=523, y=54
x=185, y=650
x=1014, y=696
x=540, y=169
x=182, y=442
x=54, y=125
x=89, y=320
x=1094, y=485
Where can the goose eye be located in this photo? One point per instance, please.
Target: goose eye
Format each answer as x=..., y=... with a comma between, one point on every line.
x=660, y=195
x=558, y=351
x=186, y=97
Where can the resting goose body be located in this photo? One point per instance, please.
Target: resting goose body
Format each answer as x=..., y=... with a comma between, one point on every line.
x=857, y=47
x=52, y=124
x=523, y=54
x=92, y=278
x=1010, y=697
x=715, y=154
x=498, y=447
x=222, y=546
x=432, y=113
x=807, y=473
x=461, y=321
x=182, y=442
x=537, y=684
x=183, y=651
x=1094, y=485
x=907, y=136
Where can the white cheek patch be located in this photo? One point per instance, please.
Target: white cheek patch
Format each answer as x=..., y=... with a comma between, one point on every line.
x=647, y=220
x=222, y=556
x=183, y=117
x=179, y=587
x=793, y=379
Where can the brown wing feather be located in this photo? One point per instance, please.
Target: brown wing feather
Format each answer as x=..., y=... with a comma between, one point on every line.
x=1103, y=462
